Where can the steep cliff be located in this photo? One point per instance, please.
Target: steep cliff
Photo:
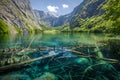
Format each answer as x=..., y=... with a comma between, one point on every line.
x=17, y=16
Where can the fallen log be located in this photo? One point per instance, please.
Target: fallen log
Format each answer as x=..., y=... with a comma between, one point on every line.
x=80, y=54
x=19, y=51
x=15, y=50
x=25, y=62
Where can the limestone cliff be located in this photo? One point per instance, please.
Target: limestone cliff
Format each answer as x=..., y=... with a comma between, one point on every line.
x=17, y=16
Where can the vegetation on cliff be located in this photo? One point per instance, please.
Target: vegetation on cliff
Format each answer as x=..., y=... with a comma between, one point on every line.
x=18, y=16
x=3, y=27
x=97, y=16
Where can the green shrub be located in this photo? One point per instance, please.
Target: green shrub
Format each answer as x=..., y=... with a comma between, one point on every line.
x=3, y=27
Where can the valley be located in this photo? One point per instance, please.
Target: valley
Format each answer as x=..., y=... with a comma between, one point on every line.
x=52, y=44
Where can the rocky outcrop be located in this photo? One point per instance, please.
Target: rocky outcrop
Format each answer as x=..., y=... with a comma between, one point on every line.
x=18, y=16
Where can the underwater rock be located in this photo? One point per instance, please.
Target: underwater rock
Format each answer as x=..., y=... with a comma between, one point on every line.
x=46, y=76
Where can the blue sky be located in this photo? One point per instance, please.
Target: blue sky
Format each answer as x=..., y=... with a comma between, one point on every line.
x=60, y=7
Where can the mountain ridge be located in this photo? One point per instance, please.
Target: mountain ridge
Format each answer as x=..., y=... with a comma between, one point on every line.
x=76, y=11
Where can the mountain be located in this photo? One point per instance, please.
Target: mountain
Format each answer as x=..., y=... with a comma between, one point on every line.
x=47, y=17
x=58, y=21
x=98, y=16
x=86, y=17
x=87, y=9
x=67, y=18
x=17, y=16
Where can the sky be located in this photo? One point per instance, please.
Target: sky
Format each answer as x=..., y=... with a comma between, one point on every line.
x=60, y=7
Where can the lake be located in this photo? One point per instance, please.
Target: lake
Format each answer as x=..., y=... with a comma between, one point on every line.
x=78, y=56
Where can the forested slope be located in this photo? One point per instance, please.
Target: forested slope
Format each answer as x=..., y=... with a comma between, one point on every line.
x=97, y=16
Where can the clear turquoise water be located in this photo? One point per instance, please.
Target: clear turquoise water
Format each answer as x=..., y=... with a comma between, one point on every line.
x=58, y=39
x=61, y=67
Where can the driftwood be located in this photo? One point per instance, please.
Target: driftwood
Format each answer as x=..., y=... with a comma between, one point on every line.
x=25, y=62
x=42, y=48
x=16, y=50
x=80, y=54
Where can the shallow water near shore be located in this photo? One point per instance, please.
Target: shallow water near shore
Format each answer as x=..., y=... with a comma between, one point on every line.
x=66, y=64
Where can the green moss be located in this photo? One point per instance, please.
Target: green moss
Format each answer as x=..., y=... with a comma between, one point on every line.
x=3, y=27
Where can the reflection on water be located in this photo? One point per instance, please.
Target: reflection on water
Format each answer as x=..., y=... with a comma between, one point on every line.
x=59, y=39
x=66, y=65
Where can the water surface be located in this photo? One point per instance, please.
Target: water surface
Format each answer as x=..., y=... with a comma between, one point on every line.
x=67, y=65
x=57, y=39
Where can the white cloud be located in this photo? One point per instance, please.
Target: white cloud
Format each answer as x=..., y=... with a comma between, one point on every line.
x=65, y=6
x=52, y=8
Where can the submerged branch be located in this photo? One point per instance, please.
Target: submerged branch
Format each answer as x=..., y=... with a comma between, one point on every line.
x=25, y=62
x=80, y=54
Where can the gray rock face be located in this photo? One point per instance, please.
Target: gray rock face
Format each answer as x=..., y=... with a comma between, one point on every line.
x=18, y=15
x=47, y=17
x=53, y=20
